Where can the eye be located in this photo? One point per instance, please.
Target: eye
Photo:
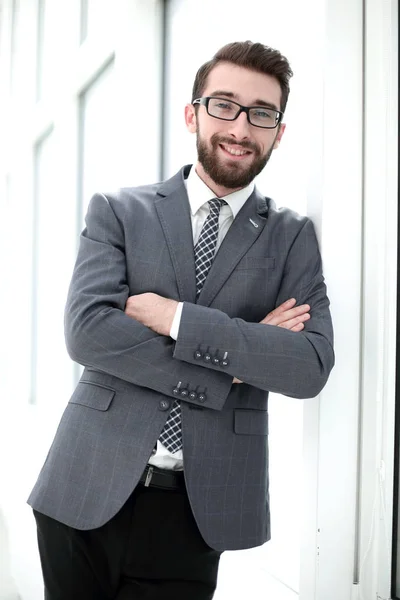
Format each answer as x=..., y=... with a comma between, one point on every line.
x=223, y=105
x=262, y=113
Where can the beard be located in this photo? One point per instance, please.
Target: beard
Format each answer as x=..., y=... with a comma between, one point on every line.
x=232, y=175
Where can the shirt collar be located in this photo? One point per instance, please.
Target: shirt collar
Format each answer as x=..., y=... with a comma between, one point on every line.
x=199, y=193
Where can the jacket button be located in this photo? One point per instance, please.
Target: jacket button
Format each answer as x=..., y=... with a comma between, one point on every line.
x=184, y=393
x=201, y=397
x=198, y=355
x=193, y=395
x=207, y=357
x=215, y=360
x=224, y=363
x=164, y=405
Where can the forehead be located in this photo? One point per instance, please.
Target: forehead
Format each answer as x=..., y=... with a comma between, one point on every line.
x=248, y=86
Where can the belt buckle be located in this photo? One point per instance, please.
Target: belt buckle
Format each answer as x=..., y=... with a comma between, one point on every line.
x=149, y=476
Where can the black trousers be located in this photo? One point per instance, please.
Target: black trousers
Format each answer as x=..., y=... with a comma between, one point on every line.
x=151, y=549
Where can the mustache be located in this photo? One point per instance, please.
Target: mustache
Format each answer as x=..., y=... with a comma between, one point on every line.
x=246, y=145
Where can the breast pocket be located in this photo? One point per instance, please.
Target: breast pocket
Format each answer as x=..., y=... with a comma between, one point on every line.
x=250, y=292
x=93, y=395
x=256, y=262
x=251, y=421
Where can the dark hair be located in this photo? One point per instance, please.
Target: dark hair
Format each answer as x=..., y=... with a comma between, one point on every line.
x=254, y=56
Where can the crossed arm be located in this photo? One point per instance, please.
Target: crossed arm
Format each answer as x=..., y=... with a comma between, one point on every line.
x=128, y=337
x=157, y=313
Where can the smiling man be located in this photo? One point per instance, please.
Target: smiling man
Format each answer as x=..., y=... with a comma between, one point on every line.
x=190, y=300
x=233, y=153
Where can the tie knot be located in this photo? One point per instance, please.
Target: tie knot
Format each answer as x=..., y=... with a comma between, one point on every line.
x=216, y=204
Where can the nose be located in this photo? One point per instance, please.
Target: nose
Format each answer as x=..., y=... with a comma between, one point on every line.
x=240, y=127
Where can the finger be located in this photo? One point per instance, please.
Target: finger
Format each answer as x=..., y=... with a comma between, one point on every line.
x=289, y=324
x=279, y=310
x=277, y=319
x=282, y=308
x=298, y=327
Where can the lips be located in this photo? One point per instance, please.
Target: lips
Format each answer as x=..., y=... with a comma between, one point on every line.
x=236, y=152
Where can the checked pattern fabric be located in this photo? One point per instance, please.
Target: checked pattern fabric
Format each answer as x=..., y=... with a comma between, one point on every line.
x=171, y=435
x=205, y=248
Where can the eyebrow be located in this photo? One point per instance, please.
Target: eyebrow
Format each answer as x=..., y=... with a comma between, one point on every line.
x=257, y=102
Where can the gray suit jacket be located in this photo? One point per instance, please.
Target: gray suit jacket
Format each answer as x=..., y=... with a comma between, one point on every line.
x=140, y=240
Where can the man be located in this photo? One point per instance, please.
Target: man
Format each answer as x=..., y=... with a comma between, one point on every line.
x=160, y=462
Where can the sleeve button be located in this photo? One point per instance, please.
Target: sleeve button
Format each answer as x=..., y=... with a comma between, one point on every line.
x=192, y=395
x=225, y=363
x=175, y=391
x=202, y=397
x=198, y=355
x=207, y=357
x=215, y=360
x=184, y=393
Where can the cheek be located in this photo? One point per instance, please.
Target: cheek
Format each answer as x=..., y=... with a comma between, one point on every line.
x=205, y=133
x=262, y=145
x=212, y=137
x=267, y=143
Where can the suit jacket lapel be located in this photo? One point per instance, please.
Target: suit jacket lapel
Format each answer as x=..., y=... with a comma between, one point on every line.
x=242, y=234
x=173, y=210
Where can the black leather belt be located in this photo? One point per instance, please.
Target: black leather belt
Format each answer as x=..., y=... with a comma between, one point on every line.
x=162, y=478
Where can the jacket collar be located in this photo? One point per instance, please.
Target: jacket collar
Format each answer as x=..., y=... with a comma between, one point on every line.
x=173, y=210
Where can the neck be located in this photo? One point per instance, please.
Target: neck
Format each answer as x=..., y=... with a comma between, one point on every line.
x=218, y=190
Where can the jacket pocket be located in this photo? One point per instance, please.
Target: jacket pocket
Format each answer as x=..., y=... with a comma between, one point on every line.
x=251, y=421
x=256, y=262
x=92, y=395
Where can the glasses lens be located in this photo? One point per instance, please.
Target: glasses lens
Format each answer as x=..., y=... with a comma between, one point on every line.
x=223, y=109
x=264, y=117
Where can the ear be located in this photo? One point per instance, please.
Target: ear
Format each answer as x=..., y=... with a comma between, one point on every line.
x=280, y=133
x=190, y=118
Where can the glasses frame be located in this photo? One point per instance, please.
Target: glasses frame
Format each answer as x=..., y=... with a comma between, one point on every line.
x=246, y=109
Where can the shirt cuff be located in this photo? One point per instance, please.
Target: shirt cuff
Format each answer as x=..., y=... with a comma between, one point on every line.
x=176, y=322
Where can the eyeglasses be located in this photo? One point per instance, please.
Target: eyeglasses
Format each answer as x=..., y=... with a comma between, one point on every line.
x=227, y=110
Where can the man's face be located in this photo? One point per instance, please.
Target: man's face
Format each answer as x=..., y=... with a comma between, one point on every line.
x=232, y=153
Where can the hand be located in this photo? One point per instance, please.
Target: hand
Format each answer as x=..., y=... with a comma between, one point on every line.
x=286, y=315
x=153, y=311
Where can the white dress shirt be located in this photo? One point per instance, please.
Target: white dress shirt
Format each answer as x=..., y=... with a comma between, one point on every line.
x=199, y=194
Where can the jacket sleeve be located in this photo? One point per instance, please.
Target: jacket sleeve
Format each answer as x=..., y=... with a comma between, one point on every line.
x=266, y=356
x=100, y=335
